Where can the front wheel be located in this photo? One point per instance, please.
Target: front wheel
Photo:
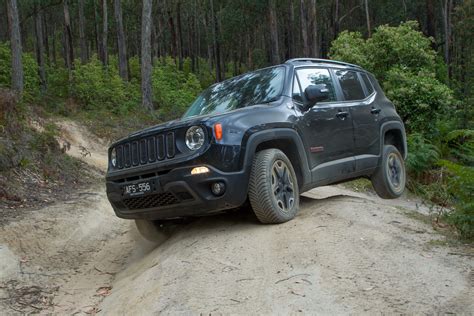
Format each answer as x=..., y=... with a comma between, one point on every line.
x=273, y=187
x=151, y=230
x=390, y=177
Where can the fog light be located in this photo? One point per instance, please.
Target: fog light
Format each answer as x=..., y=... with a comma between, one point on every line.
x=218, y=188
x=199, y=170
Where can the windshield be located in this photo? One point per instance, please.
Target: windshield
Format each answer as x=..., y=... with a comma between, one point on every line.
x=261, y=86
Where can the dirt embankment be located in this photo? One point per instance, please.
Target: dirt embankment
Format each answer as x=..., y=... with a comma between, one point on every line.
x=345, y=252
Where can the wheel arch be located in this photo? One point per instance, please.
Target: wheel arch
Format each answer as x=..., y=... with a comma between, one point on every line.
x=393, y=133
x=289, y=142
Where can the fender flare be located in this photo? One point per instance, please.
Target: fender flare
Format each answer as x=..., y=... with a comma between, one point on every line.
x=393, y=125
x=260, y=137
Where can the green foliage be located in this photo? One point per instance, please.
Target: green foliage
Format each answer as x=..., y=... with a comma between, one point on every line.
x=352, y=48
x=403, y=46
x=97, y=87
x=421, y=100
x=30, y=70
x=422, y=155
x=461, y=187
x=173, y=90
x=402, y=58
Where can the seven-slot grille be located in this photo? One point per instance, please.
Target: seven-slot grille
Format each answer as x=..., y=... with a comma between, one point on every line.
x=146, y=150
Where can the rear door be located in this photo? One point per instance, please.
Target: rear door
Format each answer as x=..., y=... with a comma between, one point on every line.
x=360, y=96
x=327, y=128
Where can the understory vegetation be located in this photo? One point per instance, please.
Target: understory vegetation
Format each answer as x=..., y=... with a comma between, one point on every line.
x=438, y=119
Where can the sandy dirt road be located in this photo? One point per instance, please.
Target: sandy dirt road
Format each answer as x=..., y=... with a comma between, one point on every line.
x=345, y=252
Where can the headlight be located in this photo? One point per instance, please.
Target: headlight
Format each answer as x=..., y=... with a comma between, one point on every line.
x=195, y=137
x=113, y=157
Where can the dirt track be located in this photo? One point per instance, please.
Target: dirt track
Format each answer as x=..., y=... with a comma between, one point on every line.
x=345, y=252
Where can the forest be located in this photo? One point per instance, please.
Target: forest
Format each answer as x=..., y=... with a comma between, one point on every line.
x=119, y=65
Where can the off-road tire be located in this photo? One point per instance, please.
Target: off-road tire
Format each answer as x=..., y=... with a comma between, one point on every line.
x=151, y=230
x=266, y=206
x=381, y=179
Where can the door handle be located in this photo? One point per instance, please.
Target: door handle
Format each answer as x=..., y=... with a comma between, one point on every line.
x=375, y=111
x=342, y=114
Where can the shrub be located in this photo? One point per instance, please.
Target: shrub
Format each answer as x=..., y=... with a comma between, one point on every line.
x=30, y=71
x=352, y=48
x=173, y=90
x=97, y=88
x=420, y=98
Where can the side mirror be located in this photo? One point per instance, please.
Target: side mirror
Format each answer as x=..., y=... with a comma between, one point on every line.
x=315, y=93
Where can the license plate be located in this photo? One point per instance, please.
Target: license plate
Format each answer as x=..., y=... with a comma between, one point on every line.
x=137, y=189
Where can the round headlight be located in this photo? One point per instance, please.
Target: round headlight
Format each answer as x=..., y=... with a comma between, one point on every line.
x=195, y=137
x=113, y=157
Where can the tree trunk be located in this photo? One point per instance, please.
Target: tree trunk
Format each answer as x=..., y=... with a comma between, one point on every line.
x=174, y=41
x=304, y=28
x=275, y=50
x=336, y=20
x=430, y=19
x=82, y=33
x=105, y=54
x=314, y=30
x=291, y=40
x=98, y=45
x=367, y=16
x=46, y=38
x=15, y=42
x=122, y=48
x=68, y=45
x=40, y=48
x=146, y=67
x=217, y=51
x=180, y=35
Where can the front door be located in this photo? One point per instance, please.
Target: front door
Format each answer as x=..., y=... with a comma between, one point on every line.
x=327, y=129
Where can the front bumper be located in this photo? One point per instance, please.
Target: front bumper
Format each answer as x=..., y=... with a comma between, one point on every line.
x=177, y=193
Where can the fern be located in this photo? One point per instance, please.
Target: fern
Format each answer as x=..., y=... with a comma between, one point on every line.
x=461, y=188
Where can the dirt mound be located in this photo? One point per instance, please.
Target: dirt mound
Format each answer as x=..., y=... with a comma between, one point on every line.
x=344, y=253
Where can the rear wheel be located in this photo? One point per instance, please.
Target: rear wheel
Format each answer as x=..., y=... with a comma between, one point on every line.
x=390, y=177
x=273, y=187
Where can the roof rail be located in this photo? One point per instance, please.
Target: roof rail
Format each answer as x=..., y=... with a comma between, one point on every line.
x=319, y=60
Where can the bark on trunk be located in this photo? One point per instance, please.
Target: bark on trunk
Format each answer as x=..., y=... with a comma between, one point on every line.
x=82, y=33
x=105, y=53
x=15, y=42
x=304, y=29
x=314, y=30
x=68, y=45
x=367, y=17
x=98, y=45
x=121, y=42
x=146, y=67
x=180, y=36
x=174, y=41
x=217, y=51
x=40, y=48
x=274, y=33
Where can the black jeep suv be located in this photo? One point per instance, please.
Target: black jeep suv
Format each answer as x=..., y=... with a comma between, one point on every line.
x=267, y=135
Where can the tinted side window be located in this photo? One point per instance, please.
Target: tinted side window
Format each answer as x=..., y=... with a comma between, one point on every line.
x=368, y=84
x=350, y=85
x=312, y=76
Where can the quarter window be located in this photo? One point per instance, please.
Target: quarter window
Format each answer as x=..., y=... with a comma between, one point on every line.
x=313, y=76
x=350, y=85
x=368, y=84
